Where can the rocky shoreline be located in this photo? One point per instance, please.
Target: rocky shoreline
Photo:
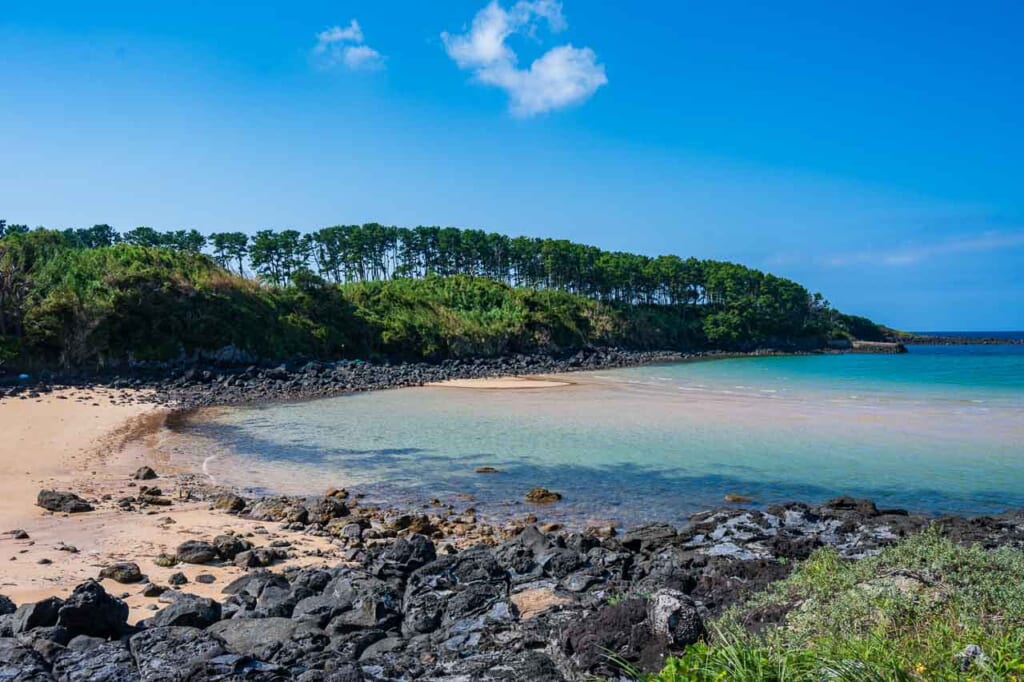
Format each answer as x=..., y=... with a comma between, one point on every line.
x=207, y=385
x=434, y=594
x=922, y=340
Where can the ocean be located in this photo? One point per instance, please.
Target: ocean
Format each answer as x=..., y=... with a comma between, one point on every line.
x=939, y=429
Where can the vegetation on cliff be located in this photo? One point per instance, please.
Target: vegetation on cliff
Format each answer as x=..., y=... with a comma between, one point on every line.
x=924, y=609
x=82, y=297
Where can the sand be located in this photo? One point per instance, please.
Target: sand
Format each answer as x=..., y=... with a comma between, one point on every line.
x=91, y=442
x=503, y=383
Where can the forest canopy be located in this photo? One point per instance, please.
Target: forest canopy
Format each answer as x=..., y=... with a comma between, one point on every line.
x=95, y=295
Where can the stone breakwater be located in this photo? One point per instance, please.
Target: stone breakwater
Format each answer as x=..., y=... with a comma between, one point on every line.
x=436, y=596
x=210, y=385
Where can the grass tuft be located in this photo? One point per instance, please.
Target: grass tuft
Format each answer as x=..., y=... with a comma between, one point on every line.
x=906, y=615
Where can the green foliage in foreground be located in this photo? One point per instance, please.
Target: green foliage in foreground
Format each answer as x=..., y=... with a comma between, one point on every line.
x=904, y=615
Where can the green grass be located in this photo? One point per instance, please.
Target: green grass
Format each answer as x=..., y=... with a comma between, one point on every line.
x=904, y=615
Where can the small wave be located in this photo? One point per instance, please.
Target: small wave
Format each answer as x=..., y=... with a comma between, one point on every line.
x=206, y=469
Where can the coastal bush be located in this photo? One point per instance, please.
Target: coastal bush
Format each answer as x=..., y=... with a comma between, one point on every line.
x=924, y=609
x=92, y=297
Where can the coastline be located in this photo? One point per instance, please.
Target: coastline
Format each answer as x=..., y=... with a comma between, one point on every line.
x=377, y=592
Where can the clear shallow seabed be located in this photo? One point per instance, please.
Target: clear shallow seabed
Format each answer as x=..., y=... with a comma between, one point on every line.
x=940, y=429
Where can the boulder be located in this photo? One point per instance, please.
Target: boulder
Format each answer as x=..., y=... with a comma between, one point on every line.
x=404, y=556
x=173, y=654
x=144, y=473
x=271, y=509
x=845, y=503
x=188, y=610
x=323, y=510
x=649, y=537
x=229, y=502
x=454, y=588
x=124, y=572
x=597, y=643
x=39, y=614
x=6, y=606
x=58, y=501
x=542, y=496
x=91, y=611
x=674, y=618
x=374, y=604
x=21, y=663
x=268, y=639
x=196, y=552
x=230, y=546
x=103, y=662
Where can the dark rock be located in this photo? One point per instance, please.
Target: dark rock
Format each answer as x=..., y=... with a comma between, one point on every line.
x=21, y=663
x=177, y=579
x=793, y=546
x=542, y=496
x=229, y=502
x=230, y=546
x=258, y=558
x=6, y=606
x=39, y=614
x=188, y=610
x=103, y=662
x=674, y=617
x=206, y=579
x=174, y=654
x=124, y=572
x=865, y=507
x=196, y=552
x=535, y=666
x=649, y=537
x=57, y=501
x=323, y=510
x=278, y=640
x=344, y=672
x=144, y=473
x=404, y=556
x=152, y=590
x=255, y=583
x=412, y=523
x=319, y=609
x=453, y=588
x=374, y=604
x=91, y=611
x=617, y=632
x=85, y=642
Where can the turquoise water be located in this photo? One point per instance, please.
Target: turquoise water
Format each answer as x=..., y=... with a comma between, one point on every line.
x=940, y=429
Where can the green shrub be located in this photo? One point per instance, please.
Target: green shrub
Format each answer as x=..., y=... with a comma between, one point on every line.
x=903, y=615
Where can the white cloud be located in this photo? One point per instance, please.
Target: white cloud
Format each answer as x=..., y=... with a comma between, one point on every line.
x=346, y=46
x=562, y=76
x=335, y=34
x=362, y=57
x=912, y=254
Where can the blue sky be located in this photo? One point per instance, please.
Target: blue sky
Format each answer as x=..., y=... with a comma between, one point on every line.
x=868, y=150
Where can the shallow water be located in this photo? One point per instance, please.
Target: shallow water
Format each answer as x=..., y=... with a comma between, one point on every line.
x=940, y=429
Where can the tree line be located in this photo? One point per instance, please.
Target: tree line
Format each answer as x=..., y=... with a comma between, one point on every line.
x=372, y=252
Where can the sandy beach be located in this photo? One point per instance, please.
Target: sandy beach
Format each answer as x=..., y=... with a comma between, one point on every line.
x=91, y=442
x=504, y=383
